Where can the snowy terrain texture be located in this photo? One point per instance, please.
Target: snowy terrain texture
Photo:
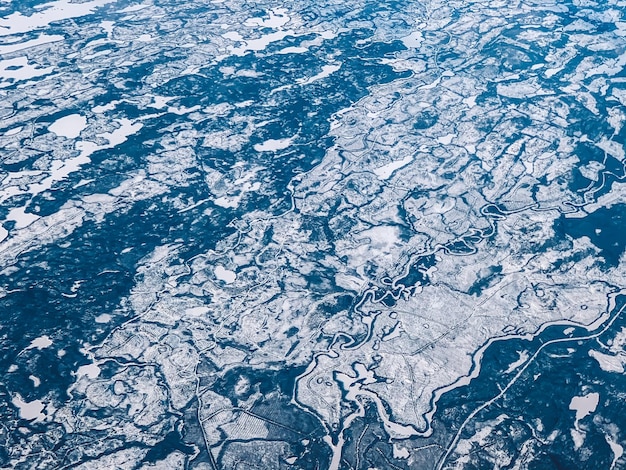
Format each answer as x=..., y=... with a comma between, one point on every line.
x=330, y=234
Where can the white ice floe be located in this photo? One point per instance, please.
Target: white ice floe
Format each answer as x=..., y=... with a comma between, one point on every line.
x=470, y=101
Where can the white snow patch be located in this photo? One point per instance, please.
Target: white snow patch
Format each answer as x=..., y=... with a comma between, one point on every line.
x=197, y=311
x=617, y=449
x=69, y=126
x=400, y=452
x=40, y=343
x=277, y=18
x=470, y=101
x=90, y=370
x=293, y=50
x=224, y=274
x=523, y=357
x=584, y=405
x=578, y=437
x=521, y=90
x=107, y=26
x=103, y=108
x=327, y=70
x=15, y=130
x=18, y=46
x=132, y=8
x=256, y=44
x=121, y=134
x=32, y=410
x=18, y=68
x=385, y=172
x=60, y=169
x=612, y=148
x=608, y=362
x=273, y=145
x=20, y=217
x=227, y=202
x=146, y=38
x=413, y=40
x=17, y=23
x=446, y=139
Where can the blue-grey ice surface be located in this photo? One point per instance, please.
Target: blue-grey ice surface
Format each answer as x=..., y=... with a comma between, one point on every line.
x=312, y=234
